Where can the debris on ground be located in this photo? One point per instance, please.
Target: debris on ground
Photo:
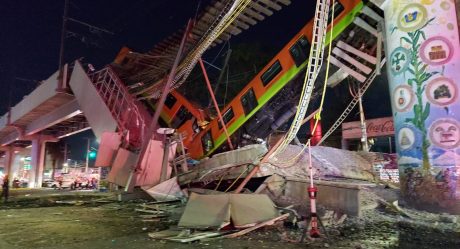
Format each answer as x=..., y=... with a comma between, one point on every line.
x=222, y=215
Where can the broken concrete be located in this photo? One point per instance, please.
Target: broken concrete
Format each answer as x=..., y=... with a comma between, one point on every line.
x=226, y=165
x=165, y=191
x=343, y=196
x=217, y=211
x=248, y=154
x=327, y=162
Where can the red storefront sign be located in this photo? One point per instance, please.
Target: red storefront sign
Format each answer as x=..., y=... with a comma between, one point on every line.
x=378, y=127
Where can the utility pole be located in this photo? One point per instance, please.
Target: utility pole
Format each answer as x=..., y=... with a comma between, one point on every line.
x=65, y=152
x=154, y=122
x=363, y=123
x=61, y=50
x=357, y=93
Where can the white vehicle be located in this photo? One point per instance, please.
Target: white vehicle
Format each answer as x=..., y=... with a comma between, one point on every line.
x=66, y=183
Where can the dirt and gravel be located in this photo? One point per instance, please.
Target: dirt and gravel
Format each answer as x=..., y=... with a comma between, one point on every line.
x=53, y=219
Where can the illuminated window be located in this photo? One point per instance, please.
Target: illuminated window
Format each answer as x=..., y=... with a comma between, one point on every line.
x=300, y=50
x=271, y=73
x=227, y=117
x=206, y=141
x=249, y=101
x=338, y=9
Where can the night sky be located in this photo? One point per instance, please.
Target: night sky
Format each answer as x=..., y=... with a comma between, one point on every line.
x=31, y=31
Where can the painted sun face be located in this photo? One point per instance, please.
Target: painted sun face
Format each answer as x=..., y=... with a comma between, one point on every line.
x=445, y=133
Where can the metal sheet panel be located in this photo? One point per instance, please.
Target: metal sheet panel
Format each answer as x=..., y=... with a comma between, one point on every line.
x=107, y=148
x=92, y=105
x=122, y=166
x=150, y=171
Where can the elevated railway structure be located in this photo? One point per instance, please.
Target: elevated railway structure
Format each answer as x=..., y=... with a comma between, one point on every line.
x=107, y=100
x=269, y=100
x=112, y=100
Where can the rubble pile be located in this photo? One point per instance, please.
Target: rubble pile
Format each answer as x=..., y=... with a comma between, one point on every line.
x=355, y=210
x=327, y=163
x=219, y=215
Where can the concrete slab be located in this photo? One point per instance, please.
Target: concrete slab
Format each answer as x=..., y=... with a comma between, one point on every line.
x=248, y=154
x=335, y=195
x=216, y=211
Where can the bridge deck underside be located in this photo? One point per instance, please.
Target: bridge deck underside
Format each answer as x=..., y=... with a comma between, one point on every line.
x=48, y=106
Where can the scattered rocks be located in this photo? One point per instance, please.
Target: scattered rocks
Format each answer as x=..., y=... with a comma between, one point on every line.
x=446, y=218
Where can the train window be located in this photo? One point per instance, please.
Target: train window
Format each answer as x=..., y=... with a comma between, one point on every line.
x=338, y=9
x=170, y=101
x=249, y=101
x=227, y=117
x=271, y=73
x=300, y=50
x=181, y=117
x=206, y=141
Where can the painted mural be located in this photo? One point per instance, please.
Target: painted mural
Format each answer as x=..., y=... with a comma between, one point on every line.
x=423, y=52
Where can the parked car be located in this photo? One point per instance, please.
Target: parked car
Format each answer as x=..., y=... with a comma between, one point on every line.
x=66, y=183
x=47, y=183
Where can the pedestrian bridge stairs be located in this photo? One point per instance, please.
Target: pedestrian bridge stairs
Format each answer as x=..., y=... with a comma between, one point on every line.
x=108, y=105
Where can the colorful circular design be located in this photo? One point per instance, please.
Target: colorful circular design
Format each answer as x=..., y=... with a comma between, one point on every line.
x=399, y=60
x=445, y=5
x=442, y=20
x=445, y=133
x=403, y=98
x=441, y=91
x=436, y=51
x=412, y=17
x=427, y=2
x=406, y=137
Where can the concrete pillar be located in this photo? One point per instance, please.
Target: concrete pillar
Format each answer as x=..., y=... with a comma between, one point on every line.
x=15, y=166
x=9, y=157
x=37, y=163
x=423, y=64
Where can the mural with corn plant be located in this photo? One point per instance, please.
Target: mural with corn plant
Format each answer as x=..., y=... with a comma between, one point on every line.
x=419, y=76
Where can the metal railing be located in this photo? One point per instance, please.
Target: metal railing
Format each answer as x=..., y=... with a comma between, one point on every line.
x=125, y=109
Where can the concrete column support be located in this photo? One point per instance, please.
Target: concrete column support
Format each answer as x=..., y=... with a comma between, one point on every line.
x=37, y=163
x=9, y=157
x=423, y=73
x=38, y=159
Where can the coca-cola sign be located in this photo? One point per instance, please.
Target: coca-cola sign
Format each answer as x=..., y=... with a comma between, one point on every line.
x=375, y=128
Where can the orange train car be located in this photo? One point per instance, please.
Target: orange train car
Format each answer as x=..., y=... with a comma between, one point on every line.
x=178, y=112
x=184, y=116
x=268, y=83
